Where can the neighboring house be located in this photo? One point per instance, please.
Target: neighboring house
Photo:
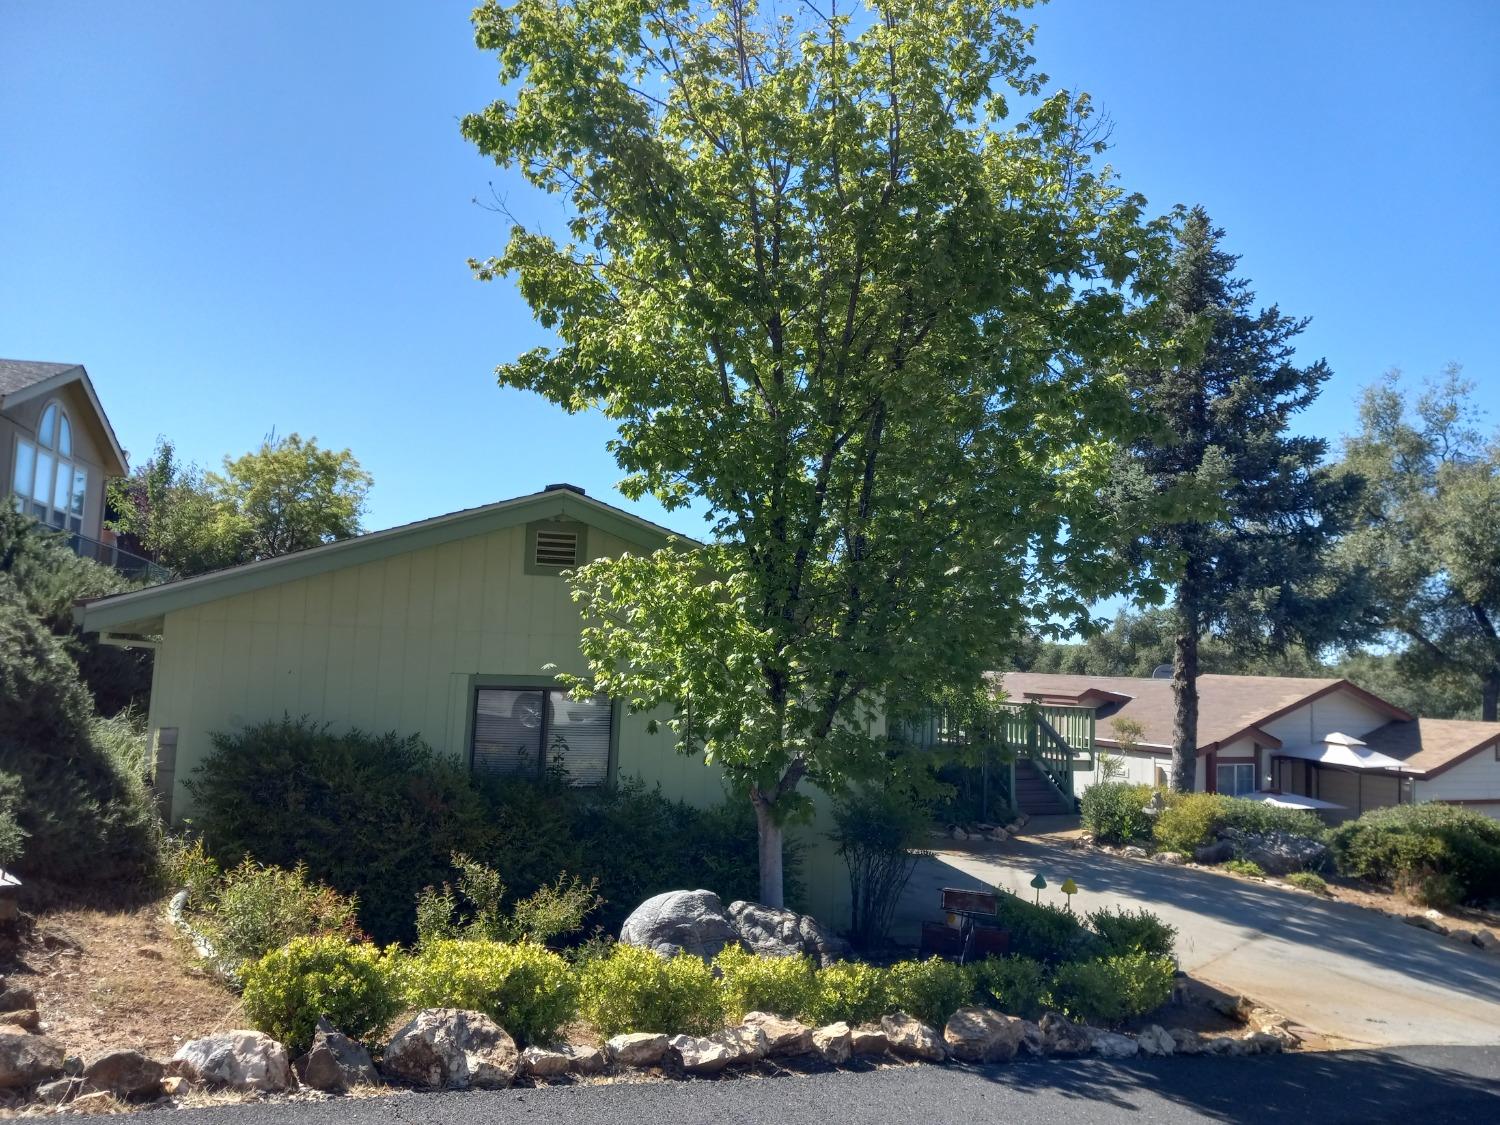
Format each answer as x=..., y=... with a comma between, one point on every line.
x=57, y=453
x=451, y=628
x=1316, y=743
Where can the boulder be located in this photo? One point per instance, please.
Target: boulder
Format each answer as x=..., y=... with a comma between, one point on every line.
x=452, y=1049
x=1487, y=940
x=1134, y=851
x=1176, y=859
x=1217, y=852
x=1155, y=1040
x=697, y=1055
x=1261, y=1043
x=22, y=1017
x=537, y=1062
x=584, y=1060
x=869, y=1040
x=128, y=1075
x=681, y=922
x=172, y=1085
x=1031, y=1039
x=235, y=1060
x=750, y=1042
x=835, y=1042
x=910, y=1038
x=982, y=1035
x=1279, y=853
x=335, y=1063
x=16, y=998
x=1064, y=1038
x=27, y=1059
x=1463, y=937
x=999, y=835
x=638, y=1048
x=1110, y=1045
x=774, y=932
x=1221, y=1045
x=59, y=1091
x=783, y=1036
x=1188, y=1042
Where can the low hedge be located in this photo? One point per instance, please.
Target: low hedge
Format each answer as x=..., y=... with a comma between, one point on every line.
x=785, y=985
x=525, y=988
x=1442, y=853
x=851, y=991
x=633, y=989
x=1112, y=989
x=352, y=983
x=1191, y=820
x=1114, y=812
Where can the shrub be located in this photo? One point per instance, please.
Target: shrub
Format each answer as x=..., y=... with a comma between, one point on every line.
x=525, y=988
x=932, y=990
x=1115, y=812
x=1189, y=821
x=1308, y=881
x=1044, y=933
x=1442, y=851
x=477, y=911
x=1261, y=816
x=1245, y=867
x=1018, y=985
x=353, y=984
x=187, y=865
x=12, y=835
x=785, y=986
x=1113, y=989
x=255, y=909
x=851, y=991
x=1133, y=931
x=635, y=990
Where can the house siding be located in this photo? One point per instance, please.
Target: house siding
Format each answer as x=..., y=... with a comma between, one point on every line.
x=1474, y=780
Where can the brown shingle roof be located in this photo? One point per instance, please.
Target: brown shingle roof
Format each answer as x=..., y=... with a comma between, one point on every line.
x=18, y=374
x=1228, y=706
x=1431, y=746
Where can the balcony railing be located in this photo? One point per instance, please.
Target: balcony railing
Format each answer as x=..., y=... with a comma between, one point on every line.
x=132, y=566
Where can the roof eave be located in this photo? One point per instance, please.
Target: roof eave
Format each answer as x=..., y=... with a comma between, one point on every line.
x=76, y=373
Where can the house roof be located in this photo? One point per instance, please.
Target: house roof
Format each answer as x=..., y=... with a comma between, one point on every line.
x=1430, y=746
x=1229, y=707
x=142, y=611
x=22, y=379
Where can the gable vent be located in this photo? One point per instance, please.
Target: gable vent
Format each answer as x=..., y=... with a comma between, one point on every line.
x=556, y=548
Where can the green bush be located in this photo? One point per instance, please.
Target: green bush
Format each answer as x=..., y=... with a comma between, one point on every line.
x=1114, y=812
x=1261, y=816
x=784, y=986
x=1189, y=821
x=186, y=865
x=353, y=984
x=932, y=990
x=633, y=989
x=1044, y=933
x=1133, y=931
x=851, y=991
x=256, y=909
x=525, y=988
x=477, y=910
x=1438, y=851
x=1308, y=881
x=12, y=835
x=90, y=826
x=1113, y=989
x=1245, y=867
x=1017, y=985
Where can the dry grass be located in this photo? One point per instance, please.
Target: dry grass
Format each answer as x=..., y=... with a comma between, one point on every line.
x=108, y=980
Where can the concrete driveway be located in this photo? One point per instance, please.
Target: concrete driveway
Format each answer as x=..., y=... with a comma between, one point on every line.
x=1350, y=974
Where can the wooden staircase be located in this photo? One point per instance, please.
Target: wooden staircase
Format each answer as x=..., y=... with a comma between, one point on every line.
x=1035, y=794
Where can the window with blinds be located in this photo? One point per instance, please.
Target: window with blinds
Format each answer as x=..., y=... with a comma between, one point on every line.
x=530, y=731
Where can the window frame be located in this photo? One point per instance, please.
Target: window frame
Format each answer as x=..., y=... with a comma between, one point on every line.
x=1234, y=791
x=61, y=463
x=546, y=685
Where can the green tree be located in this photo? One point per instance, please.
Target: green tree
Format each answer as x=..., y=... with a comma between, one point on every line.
x=288, y=495
x=1428, y=543
x=1253, y=570
x=831, y=300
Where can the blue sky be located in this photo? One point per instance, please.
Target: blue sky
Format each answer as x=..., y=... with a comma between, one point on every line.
x=256, y=215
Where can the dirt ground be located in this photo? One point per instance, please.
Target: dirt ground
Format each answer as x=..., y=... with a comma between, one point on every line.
x=112, y=980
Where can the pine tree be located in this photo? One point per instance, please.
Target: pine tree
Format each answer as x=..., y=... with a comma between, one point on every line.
x=1251, y=560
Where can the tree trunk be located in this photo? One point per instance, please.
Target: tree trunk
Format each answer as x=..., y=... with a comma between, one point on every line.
x=1185, y=700
x=1491, y=702
x=770, y=833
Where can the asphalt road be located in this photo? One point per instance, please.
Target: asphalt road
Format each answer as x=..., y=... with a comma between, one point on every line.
x=1354, y=975
x=1429, y=1085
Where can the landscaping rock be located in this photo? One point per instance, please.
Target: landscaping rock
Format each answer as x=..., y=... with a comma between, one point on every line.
x=584, y=1060
x=1061, y=1036
x=1279, y=853
x=1155, y=1040
x=1188, y=1042
x=1032, y=1041
x=172, y=1085
x=1176, y=859
x=1261, y=1043
x=835, y=1042
x=774, y=932
x=537, y=1062
x=1487, y=940
x=999, y=835
x=335, y=1063
x=128, y=1075
x=751, y=1042
x=982, y=1035
x=1217, y=852
x=1463, y=937
x=73, y=1065
x=912, y=1039
x=1110, y=1045
x=783, y=1036
x=22, y=1017
x=697, y=1055
x=1222, y=1045
x=15, y=998
x=681, y=922
x=1134, y=851
x=638, y=1048
x=959, y=834
x=59, y=1091
x=869, y=1040
x=452, y=1049
x=27, y=1059
x=235, y=1060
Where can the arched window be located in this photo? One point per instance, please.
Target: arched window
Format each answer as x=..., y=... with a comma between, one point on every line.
x=47, y=482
